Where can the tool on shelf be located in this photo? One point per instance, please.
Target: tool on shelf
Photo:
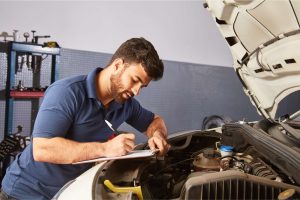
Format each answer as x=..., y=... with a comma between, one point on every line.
x=33, y=61
x=13, y=144
x=26, y=36
x=16, y=36
x=20, y=86
x=5, y=35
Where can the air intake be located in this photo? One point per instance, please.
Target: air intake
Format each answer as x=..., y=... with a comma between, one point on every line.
x=232, y=185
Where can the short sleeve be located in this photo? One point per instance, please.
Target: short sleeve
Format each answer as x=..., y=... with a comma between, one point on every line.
x=139, y=117
x=56, y=113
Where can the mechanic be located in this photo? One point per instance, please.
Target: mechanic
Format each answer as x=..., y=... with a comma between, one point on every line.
x=70, y=124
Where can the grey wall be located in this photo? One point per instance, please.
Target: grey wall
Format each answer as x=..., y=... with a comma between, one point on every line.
x=185, y=95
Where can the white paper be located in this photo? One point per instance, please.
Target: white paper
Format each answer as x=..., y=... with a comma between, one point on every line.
x=130, y=155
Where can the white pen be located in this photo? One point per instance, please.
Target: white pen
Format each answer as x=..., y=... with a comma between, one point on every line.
x=111, y=127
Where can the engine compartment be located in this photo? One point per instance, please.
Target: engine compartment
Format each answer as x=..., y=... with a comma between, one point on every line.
x=195, y=168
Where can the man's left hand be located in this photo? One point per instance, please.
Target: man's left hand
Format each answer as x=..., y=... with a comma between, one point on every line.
x=158, y=141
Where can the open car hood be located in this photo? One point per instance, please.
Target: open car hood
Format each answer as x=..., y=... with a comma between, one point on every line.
x=264, y=39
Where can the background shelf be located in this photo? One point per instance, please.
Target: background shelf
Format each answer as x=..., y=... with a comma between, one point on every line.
x=26, y=94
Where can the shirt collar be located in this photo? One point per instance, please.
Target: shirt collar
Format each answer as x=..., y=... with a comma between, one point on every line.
x=91, y=83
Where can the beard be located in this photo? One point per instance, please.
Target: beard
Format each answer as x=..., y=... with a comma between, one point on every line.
x=117, y=88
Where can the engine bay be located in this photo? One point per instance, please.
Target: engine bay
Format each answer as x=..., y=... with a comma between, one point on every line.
x=197, y=166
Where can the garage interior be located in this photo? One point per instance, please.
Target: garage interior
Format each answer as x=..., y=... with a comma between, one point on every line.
x=192, y=88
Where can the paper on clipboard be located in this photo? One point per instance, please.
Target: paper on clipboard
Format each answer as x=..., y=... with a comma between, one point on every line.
x=130, y=155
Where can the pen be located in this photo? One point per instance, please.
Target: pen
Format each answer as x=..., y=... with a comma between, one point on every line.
x=111, y=127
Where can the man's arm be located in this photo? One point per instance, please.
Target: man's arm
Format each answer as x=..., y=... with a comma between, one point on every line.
x=59, y=150
x=157, y=134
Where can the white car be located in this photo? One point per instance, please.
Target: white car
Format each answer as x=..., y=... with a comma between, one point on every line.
x=259, y=160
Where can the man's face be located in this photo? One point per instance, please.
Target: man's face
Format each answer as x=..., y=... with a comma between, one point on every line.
x=128, y=81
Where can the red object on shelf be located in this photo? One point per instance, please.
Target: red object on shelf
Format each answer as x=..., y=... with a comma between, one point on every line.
x=26, y=94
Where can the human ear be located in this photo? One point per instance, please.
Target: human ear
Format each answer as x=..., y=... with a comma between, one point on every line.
x=118, y=63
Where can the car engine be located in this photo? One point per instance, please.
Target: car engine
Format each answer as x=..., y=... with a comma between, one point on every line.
x=197, y=167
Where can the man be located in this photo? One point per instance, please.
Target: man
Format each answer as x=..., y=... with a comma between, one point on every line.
x=70, y=125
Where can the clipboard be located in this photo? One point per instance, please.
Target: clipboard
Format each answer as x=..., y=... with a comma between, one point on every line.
x=131, y=155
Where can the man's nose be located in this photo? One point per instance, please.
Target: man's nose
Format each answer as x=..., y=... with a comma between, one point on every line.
x=136, y=90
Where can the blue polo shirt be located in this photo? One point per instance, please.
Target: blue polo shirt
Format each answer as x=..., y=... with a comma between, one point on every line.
x=69, y=110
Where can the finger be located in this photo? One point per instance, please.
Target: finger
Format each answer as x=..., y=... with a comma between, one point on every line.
x=115, y=148
x=164, y=147
x=169, y=147
x=128, y=148
x=158, y=143
x=124, y=144
x=123, y=138
x=151, y=144
x=130, y=136
x=130, y=143
x=125, y=148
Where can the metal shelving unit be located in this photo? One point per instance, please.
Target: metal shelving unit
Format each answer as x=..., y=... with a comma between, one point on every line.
x=34, y=54
x=11, y=93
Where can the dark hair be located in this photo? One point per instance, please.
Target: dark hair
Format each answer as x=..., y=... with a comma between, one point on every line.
x=139, y=50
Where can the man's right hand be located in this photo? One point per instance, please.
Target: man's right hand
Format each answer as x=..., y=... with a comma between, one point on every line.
x=119, y=145
x=49, y=149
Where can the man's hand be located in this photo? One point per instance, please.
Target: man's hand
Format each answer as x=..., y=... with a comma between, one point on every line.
x=49, y=149
x=120, y=145
x=157, y=134
x=158, y=141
